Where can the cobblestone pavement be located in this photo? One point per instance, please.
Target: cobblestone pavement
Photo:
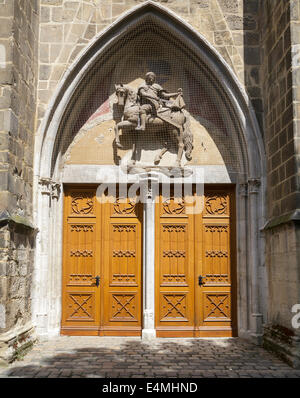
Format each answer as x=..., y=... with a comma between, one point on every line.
x=113, y=357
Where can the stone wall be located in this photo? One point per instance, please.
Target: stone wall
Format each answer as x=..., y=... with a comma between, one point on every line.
x=18, y=76
x=279, y=104
x=16, y=269
x=280, y=22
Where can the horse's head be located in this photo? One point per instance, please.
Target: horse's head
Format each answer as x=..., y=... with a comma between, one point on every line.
x=121, y=93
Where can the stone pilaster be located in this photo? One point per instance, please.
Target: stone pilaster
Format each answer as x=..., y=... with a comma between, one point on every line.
x=149, y=185
x=46, y=273
x=256, y=315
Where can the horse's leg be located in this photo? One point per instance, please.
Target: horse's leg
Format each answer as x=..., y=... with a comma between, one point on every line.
x=180, y=146
x=133, y=156
x=160, y=155
x=117, y=139
x=120, y=125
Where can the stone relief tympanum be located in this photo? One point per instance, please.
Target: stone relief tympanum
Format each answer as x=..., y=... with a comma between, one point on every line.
x=155, y=114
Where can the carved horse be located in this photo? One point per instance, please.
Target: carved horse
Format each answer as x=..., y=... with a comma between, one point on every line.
x=170, y=123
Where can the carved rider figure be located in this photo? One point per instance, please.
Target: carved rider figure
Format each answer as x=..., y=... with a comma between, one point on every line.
x=152, y=97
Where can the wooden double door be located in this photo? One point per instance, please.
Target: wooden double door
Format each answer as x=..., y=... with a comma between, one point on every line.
x=194, y=265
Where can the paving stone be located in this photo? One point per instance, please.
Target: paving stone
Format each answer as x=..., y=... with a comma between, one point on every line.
x=79, y=357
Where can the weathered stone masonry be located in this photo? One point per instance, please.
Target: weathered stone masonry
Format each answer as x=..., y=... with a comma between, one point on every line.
x=258, y=39
x=18, y=76
x=281, y=22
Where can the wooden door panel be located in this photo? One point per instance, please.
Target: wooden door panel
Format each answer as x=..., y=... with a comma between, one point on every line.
x=215, y=310
x=216, y=204
x=125, y=243
x=216, y=307
x=122, y=268
x=81, y=250
x=80, y=306
x=188, y=246
x=216, y=256
x=124, y=307
x=174, y=262
x=174, y=241
x=105, y=240
x=174, y=307
x=81, y=298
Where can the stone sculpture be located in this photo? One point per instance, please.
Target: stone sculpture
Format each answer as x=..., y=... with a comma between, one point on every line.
x=151, y=110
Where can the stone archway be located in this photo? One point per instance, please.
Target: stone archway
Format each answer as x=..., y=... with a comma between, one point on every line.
x=50, y=175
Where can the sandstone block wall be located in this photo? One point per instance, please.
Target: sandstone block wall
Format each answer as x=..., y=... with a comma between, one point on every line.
x=18, y=76
x=280, y=41
x=280, y=22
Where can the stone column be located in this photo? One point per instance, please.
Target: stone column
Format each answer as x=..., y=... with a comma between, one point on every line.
x=243, y=261
x=149, y=331
x=41, y=281
x=256, y=316
x=47, y=260
x=55, y=266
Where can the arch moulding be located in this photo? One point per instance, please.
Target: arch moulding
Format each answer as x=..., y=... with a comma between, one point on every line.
x=48, y=198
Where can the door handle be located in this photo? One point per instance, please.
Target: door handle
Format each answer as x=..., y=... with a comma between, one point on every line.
x=200, y=280
x=97, y=280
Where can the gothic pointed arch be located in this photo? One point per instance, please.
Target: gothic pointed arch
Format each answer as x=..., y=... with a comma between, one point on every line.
x=150, y=36
x=148, y=29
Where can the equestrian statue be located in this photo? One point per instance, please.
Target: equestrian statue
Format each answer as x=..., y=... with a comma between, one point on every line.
x=151, y=110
